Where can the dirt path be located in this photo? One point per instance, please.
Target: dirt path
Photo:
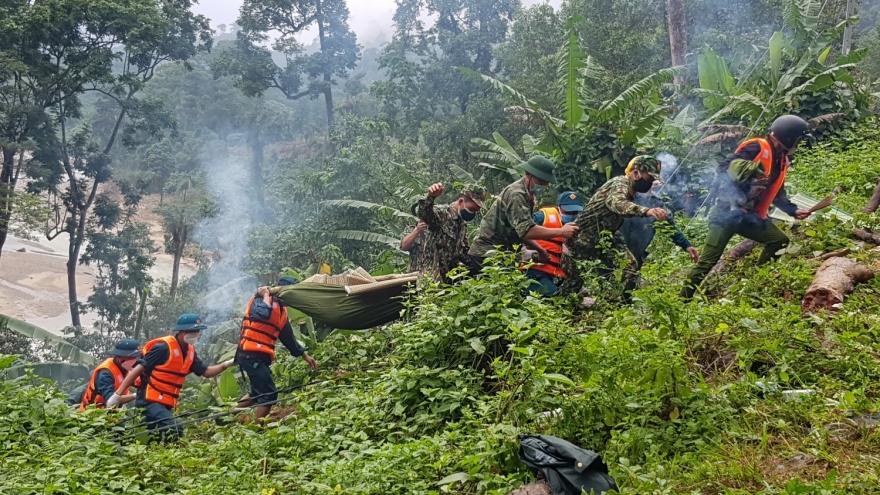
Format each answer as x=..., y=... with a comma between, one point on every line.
x=33, y=275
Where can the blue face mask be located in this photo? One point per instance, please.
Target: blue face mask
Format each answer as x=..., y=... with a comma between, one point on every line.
x=538, y=191
x=568, y=218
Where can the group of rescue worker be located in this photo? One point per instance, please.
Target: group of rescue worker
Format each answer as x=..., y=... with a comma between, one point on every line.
x=159, y=370
x=615, y=226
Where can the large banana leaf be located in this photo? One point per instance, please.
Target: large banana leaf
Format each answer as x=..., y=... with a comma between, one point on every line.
x=57, y=372
x=776, y=56
x=66, y=350
x=359, y=235
x=572, y=61
x=461, y=174
x=352, y=203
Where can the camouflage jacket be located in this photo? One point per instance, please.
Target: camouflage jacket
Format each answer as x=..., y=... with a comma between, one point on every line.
x=416, y=252
x=507, y=221
x=446, y=242
x=607, y=209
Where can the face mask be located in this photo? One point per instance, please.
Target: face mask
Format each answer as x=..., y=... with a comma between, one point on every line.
x=127, y=365
x=538, y=191
x=566, y=218
x=642, y=185
x=466, y=215
x=191, y=338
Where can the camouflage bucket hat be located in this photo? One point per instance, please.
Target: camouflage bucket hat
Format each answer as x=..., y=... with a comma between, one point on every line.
x=645, y=163
x=475, y=193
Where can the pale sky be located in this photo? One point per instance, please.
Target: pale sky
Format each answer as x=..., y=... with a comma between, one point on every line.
x=368, y=17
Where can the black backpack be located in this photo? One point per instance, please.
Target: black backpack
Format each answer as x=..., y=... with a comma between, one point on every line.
x=567, y=468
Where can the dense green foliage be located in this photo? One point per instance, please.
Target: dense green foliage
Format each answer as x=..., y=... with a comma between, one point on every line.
x=665, y=391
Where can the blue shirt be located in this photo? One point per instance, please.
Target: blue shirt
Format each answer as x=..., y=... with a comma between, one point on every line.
x=261, y=311
x=566, y=218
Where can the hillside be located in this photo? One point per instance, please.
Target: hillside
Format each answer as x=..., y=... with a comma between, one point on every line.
x=666, y=391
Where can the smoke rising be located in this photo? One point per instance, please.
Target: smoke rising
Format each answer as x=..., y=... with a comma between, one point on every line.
x=226, y=234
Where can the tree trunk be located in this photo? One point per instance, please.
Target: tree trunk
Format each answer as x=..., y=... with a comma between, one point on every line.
x=835, y=279
x=867, y=236
x=178, y=255
x=874, y=202
x=677, y=35
x=72, y=260
x=7, y=189
x=328, y=73
x=255, y=141
x=328, y=101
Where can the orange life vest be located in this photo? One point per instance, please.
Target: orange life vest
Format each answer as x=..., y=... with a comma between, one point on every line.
x=166, y=380
x=765, y=157
x=259, y=335
x=92, y=396
x=552, y=220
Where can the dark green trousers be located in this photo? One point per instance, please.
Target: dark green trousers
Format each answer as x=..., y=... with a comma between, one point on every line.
x=721, y=229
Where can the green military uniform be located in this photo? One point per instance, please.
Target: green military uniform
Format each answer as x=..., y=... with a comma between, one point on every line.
x=737, y=194
x=507, y=221
x=604, y=212
x=446, y=243
x=417, y=258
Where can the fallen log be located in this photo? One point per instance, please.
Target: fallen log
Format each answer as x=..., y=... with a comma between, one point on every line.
x=867, y=236
x=533, y=488
x=834, y=280
x=736, y=253
x=834, y=254
x=874, y=202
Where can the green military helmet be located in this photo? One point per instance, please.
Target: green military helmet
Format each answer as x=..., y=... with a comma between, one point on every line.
x=475, y=193
x=645, y=163
x=541, y=168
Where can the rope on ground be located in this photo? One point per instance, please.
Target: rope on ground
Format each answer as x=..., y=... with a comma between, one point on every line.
x=230, y=412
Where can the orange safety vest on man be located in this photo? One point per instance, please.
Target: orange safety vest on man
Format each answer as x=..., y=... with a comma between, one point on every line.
x=552, y=220
x=92, y=396
x=765, y=157
x=166, y=380
x=259, y=335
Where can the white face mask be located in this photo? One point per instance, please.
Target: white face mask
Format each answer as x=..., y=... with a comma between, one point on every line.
x=191, y=338
x=127, y=365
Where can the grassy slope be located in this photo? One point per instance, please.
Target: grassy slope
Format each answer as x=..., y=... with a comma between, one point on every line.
x=664, y=390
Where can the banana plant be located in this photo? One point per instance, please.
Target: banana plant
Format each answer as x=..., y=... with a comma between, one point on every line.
x=631, y=116
x=67, y=351
x=796, y=70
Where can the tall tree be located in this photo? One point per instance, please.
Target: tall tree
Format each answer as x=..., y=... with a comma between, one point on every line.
x=188, y=205
x=137, y=36
x=119, y=249
x=424, y=97
x=677, y=34
x=254, y=68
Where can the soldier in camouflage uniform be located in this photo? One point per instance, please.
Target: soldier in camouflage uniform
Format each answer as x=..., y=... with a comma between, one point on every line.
x=509, y=221
x=605, y=212
x=446, y=244
x=414, y=243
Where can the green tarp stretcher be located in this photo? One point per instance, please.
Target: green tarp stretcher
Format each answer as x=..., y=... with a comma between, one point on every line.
x=805, y=202
x=353, y=300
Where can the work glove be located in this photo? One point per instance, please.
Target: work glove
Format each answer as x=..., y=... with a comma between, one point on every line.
x=114, y=400
x=228, y=364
